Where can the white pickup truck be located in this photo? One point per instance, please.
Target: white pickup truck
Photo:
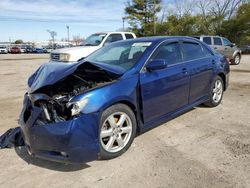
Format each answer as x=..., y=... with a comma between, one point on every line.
x=91, y=44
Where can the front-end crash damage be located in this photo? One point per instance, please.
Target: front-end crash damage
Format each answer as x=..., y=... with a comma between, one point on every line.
x=52, y=121
x=55, y=99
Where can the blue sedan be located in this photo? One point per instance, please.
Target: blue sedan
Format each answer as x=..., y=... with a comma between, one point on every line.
x=93, y=109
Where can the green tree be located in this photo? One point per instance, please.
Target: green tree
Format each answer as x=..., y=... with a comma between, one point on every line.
x=141, y=15
x=237, y=28
x=19, y=41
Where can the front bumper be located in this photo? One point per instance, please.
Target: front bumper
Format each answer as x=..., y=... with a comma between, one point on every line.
x=74, y=140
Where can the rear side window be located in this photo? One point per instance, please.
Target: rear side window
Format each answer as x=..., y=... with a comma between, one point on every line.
x=217, y=41
x=169, y=52
x=207, y=40
x=129, y=36
x=191, y=50
x=114, y=37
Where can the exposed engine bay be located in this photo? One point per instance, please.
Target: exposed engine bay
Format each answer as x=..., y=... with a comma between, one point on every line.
x=54, y=99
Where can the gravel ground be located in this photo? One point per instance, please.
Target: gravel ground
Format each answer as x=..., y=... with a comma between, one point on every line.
x=205, y=147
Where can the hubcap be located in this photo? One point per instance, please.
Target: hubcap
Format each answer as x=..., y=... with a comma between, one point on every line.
x=237, y=59
x=217, y=91
x=116, y=132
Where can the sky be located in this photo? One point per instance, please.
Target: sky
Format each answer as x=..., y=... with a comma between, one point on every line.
x=29, y=20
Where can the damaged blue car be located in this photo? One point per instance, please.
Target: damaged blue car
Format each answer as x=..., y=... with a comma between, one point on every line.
x=93, y=109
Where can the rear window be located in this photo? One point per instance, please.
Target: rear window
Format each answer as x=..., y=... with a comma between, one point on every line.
x=129, y=36
x=217, y=41
x=192, y=50
x=207, y=40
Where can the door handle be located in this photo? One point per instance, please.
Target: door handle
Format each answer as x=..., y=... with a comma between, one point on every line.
x=225, y=48
x=184, y=71
x=215, y=47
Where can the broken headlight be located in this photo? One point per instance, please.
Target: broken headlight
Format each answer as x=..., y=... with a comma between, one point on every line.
x=78, y=106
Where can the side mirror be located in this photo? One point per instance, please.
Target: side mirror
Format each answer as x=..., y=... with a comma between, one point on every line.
x=156, y=64
x=233, y=45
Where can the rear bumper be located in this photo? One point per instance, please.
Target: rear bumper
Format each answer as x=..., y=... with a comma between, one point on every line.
x=75, y=140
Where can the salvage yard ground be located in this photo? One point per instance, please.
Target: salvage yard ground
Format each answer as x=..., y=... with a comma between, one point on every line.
x=205, y=147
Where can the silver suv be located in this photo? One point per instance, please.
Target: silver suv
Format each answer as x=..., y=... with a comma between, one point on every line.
x=224, y=46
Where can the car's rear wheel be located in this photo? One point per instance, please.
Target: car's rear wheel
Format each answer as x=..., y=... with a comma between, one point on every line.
x=216, y=92
x=236, y=60
x=117, y=131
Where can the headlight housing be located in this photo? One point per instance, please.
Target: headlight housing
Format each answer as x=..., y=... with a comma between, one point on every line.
x=78, y=106
x=64, y=57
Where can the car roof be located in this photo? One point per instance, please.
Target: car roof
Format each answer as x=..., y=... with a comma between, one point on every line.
x=125, y=32
x=162, y=38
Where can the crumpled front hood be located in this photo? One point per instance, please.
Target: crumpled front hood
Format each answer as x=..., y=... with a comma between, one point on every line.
x=50, y=73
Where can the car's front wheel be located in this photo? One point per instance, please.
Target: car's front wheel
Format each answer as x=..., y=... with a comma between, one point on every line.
x=236, y=60
x=117, y=130
x=216, y=92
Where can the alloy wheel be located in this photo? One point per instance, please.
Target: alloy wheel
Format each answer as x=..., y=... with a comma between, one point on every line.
x=217, y=91
x=116, y=132
x=237, y=59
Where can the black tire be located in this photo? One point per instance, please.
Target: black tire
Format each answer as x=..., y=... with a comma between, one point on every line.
x=236, y=60
x=117, y=108
x=212, y=102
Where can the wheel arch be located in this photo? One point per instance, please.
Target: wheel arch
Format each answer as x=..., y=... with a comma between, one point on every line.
x=223, y=77
x=132, y=106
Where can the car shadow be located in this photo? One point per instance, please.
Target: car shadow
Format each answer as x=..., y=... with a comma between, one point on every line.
x=51, y=165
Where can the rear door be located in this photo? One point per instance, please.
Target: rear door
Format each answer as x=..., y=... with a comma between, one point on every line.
x=217, y=45
x=165, y=91
x=200, y=65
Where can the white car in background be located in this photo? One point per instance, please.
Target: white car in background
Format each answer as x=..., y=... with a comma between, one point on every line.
x=91, y=44
x=3, y=50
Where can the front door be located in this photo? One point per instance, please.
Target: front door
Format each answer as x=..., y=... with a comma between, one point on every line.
x=164, y=91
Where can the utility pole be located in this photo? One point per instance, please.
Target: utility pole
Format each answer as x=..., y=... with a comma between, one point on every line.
x=68, y=32
x=123, y=20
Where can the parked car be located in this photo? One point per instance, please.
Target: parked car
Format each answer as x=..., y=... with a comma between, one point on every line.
x=23, y=49
x=224, y=46
x=39, y=50
x=3, y=50
x=246, y=49
x=93, y=109
x=91, y=44
x=15, y=50
x=29, y=49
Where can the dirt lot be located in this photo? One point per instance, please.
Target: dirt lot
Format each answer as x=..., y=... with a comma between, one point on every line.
x=205, y=147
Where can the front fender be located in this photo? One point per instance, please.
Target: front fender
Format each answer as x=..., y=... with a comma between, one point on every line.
x=101, y=98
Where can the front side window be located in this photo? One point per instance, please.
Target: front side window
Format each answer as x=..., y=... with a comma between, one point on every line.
x=94, y=40
x=113, y=38
x=129, y=36
x=217, y=41
x=226, y=42
x=207, y=40
x=191, y=51
x=169, y=52
x=123, y=54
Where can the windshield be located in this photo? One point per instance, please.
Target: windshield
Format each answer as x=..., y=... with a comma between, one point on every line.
x=94, y=40
x=120, y=54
